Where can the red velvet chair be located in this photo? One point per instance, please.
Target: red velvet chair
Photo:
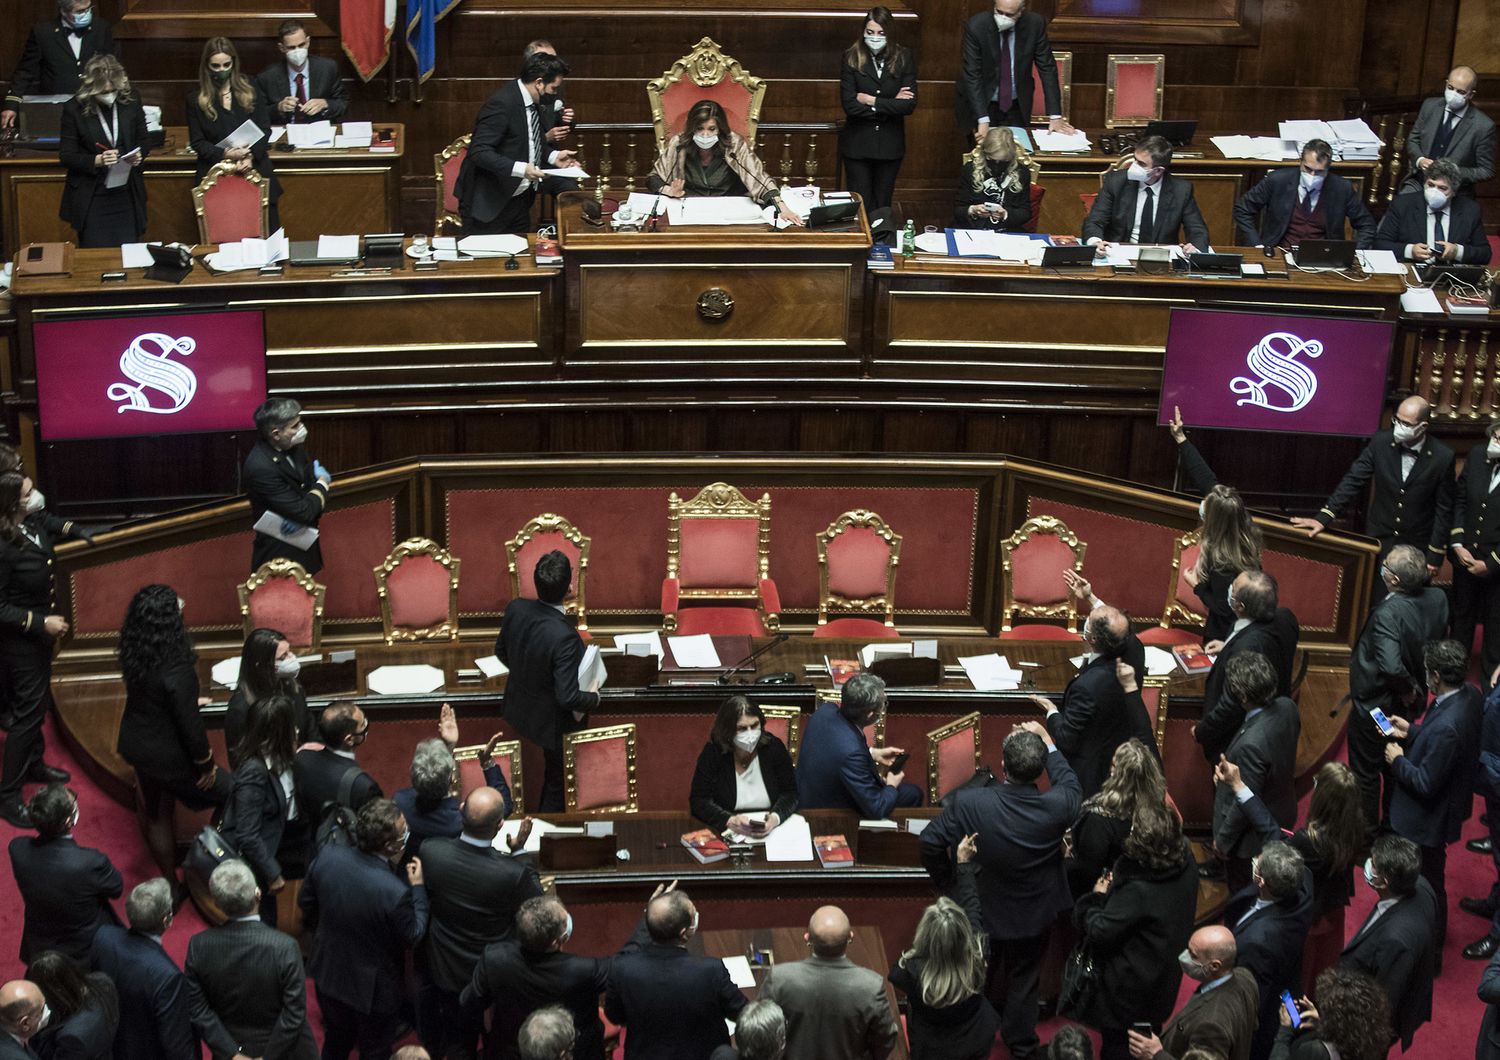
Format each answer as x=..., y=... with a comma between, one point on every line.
x=232, y=206
x=471, y=775
x=785, y=723
x=418, y=589
x=719, y=552
x=1154, y=696
x=1133, y=90
x=706, y=72
x=1032, y=561
x=445, y=166
x=1064, y=84
x=599, y=770
x=281, y=595
x=857, y=559
x=1182, y=603
x=952, y=755
x=533, y=541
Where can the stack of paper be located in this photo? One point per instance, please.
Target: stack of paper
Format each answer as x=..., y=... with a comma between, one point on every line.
x=338, y=248
x=312, y=134
x=485, y=246
x=714, y=210
x=226, y=672
x=249, y=253
x=792, y=841
x=1381, y=263
x=892, y=650
x=591, y=672
x=981, y=243
x=119, y=173
x=415, y=680
x=1354, y=139
x=1159, y=662
x=1078, y=140
x=354, y=134
x=1265, y=148
x=991, y=673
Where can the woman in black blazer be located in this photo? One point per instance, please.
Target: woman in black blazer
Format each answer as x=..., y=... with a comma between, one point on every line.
x=878, y=88
x=224, y=100
x=743, y=769
x=85, y=1010
x=267, y=668
x=102, y=124
x=1099, y=834
x=161, y=732
x=255, y=822
x=994, y=190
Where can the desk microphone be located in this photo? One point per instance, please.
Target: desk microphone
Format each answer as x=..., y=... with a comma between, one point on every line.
x=747, y=660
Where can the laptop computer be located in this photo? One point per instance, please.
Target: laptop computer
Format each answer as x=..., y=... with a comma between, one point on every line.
x=305, y=252
x=1067, y=257
x=1325, y=254
x=1177, y=133
x=1447, y=274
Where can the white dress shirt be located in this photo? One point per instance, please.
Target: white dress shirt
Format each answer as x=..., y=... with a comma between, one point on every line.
x=518, y=168
x=1446, y=213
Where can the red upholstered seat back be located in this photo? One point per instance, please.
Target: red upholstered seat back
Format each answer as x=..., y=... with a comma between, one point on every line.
x=1189, y=779
x=1037, y=570
x=955, y=762
x=679, y=98
x=1135, y=90
x=1087, y=198
x=418, y=589
x=1037, y=194
x=781, y=728
x=858, y=562
x=470, y=777
x=451, y=167
x=535, y=549
x=281, y=604
x=231, y=210
x=1151, y=697
x=603, y=771
x=1185, y=594
x=719, y=554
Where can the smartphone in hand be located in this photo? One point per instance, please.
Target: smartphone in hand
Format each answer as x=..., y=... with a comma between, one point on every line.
x=1291, y=1008
x=1382, y=722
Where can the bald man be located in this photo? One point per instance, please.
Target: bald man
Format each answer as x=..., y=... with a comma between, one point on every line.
x=23, y=1013
x=1220, y=1016
x=1412, y=503
x=835, y=1010
x=1097, y=716
x=1450, y=126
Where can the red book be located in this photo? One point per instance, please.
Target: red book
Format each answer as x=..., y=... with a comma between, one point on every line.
x=833, y=851
x=1193, y=659
x=706, y=846
x=841, y=670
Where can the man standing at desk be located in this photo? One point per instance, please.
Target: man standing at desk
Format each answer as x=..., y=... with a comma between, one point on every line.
x=1145, y=204
x=282, y=479
x=557, y=123
x=995, y=86
x=1451, y=127
x=304, y=87
x=1308, y=202
x=55, y=55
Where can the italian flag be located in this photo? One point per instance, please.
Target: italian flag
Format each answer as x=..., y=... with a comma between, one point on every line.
x=366, y=27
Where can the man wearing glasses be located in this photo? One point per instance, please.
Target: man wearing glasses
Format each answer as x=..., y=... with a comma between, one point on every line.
x=1450, y=126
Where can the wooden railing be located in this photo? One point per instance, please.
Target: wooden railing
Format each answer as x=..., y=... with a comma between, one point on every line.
x=1391, y=117
x=1456, y=366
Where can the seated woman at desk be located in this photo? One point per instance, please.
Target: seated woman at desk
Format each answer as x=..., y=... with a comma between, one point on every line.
x=743, y=770
x=104, y=124
x=225, y=99
x=994, y=190
x=709, y=158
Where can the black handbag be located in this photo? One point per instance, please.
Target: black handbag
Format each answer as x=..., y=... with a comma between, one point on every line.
x=1080, y=983
x=208, y=851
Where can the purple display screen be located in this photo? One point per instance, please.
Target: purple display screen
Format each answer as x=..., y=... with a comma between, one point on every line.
x=1264, y=372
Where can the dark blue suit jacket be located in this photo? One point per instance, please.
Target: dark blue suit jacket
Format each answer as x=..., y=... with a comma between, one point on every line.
x=1487, y=777
x=543, y=649
x=835, y=770
x=1097, y=717
x=1275, y=197
x=671, y=1004
x=154, y=1020
x=1405, y=222
x=445, y=820
x=1269, y=944
x=1435, y=777
x=66, y=890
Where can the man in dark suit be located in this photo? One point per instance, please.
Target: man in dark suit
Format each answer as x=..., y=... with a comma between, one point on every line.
x=321, y=777
x=1265, y=750
x=836, y=767
x=1096, y=715
x=995, y=85
x=1308, y=202
x=1433, y=766
x=55, y=54
x=154, y=1015
x=1396, y=944
x=1146, y=204
x=502, y=171
x=672, y=1005
x=245, y=982
x=1475, y=547
x=1488, y=1045
x=1387, y=670
x=517, y=976
x=1436, y=225
x=543, y=650
x=1021, y=882
x=363, y=921
x=474, y=892
x=429, y=809
x=302, y=87
x=1260, y=626
x=1270, y=918
x=282, y=479
x=65, y=888
x=1219, y=1017
x=23, y=1013
x=1450, y=127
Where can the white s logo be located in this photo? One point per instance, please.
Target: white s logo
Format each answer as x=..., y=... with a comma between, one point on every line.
x=155, y=370
x=1274, y=360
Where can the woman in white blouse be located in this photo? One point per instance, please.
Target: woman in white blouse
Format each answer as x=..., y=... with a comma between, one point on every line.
x=743, y=773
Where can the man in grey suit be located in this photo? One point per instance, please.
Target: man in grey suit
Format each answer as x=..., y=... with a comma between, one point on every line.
x=1387, y=672
x=835, y=1010
x=1265, y=750
x=1146, y=204
x=245, y=983
x=1450, y=126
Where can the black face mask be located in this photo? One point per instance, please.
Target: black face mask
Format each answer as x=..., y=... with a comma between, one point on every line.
x=547, y=101
x=221, y=77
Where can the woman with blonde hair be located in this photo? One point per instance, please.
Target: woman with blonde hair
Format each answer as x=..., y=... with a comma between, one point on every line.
x=943, y=975
x=1135, y=777
x=223, y=101
x=708, y=158
x=102, y=125
x=994, y=190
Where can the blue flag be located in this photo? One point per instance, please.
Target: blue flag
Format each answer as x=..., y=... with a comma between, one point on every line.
x=421, y=32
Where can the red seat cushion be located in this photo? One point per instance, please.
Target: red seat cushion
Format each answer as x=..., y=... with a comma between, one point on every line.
x=418, y=589
x=470, y=777
x=859, y=562
x=1037, y=568
x=723, y=621
x=231, y=210
x=679, y=98
x=602, y=773
x=1037, y=194
x=857, y=629
x=283, y=605
x=1169, y=637
x=719, y=554
x=1039, y=632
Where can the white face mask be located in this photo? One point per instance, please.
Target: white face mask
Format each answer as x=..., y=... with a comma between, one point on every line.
x=747, y=740
x=1455, y=99
x=1406, y=433
x=36, y=502
x=181, y=604
x=42, y=1023
x=1370, y=871
x=1436, y=200
x=568, y=931
x=107, y=98
x=77, y=813
x=875, y=43
x=300, y=436
x=1203, y=509
x=1492, y=450
x=297, y=56
x=1137, y=173
x=1004, y=22
x=1191, y=968
x=1313, y=183
x=705, y=140
x=693, y=930
x=288, y=666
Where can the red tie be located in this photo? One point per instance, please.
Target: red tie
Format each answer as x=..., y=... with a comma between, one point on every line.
x=301, y=95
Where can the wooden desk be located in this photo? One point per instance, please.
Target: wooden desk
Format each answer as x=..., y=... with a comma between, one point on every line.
x=332, y=192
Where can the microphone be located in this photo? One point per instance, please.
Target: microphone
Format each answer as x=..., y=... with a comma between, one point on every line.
x=754, y=655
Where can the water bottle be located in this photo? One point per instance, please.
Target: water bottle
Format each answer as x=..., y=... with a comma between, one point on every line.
x=909, y=240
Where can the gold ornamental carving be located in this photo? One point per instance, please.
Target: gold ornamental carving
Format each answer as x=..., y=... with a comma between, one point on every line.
x=715, y=304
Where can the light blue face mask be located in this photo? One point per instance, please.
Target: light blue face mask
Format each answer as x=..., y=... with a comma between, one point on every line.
x=82, y=20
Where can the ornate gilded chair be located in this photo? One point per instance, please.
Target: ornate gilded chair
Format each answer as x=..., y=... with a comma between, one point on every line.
x=706, y=72
x=232, y=206
x=533, y=541
x=1032, y=563
x=1133, y=90
x=445, y=166
x=1154, y=695
x=471, y=775
x=281, y=595
x=952, y=755
x=418, y=588
x=599, y=770
x=1182, y=604
x=785, y=723
x=1064, y=86
x=857, y=559
x=719, y=550
x=1036, y=191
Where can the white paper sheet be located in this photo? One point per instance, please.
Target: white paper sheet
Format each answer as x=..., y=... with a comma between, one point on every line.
x=415, y=680
x=357, y=129
x=277, y=133
x=499, y=244
x=303, y=537
x=569, y=173
x=1381, y=263
x=883, y=824
x=1264, y=148
x=978, y=242
x=247, y=135
x=1159, y=662
x=1420, y=300
x=119, y=173
x=342, y=247
x=134, y=256
x=641, y=203
x=591, y=672
x=697, y=652
x=226, y=672
x=991, y=673
x=511, y=828
x=342, y=141
x=715, y=210
x=924, y=649
x=312, y=134
x=916, y=826
x=650, y=641
x=739, y=971
x=1047, y=140
x=792, y=841
x=491, y=666
x=885, y=650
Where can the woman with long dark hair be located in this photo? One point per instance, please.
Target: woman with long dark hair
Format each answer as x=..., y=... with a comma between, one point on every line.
x=103, y=124
x=263, y=799
x=267, y=668
x=878, y=89
x=1135, y=777
x=1351, y=1021
x=223, y=101
x=742, y=769
x=161, y=732
x=85, y=1009
x=708, y=158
